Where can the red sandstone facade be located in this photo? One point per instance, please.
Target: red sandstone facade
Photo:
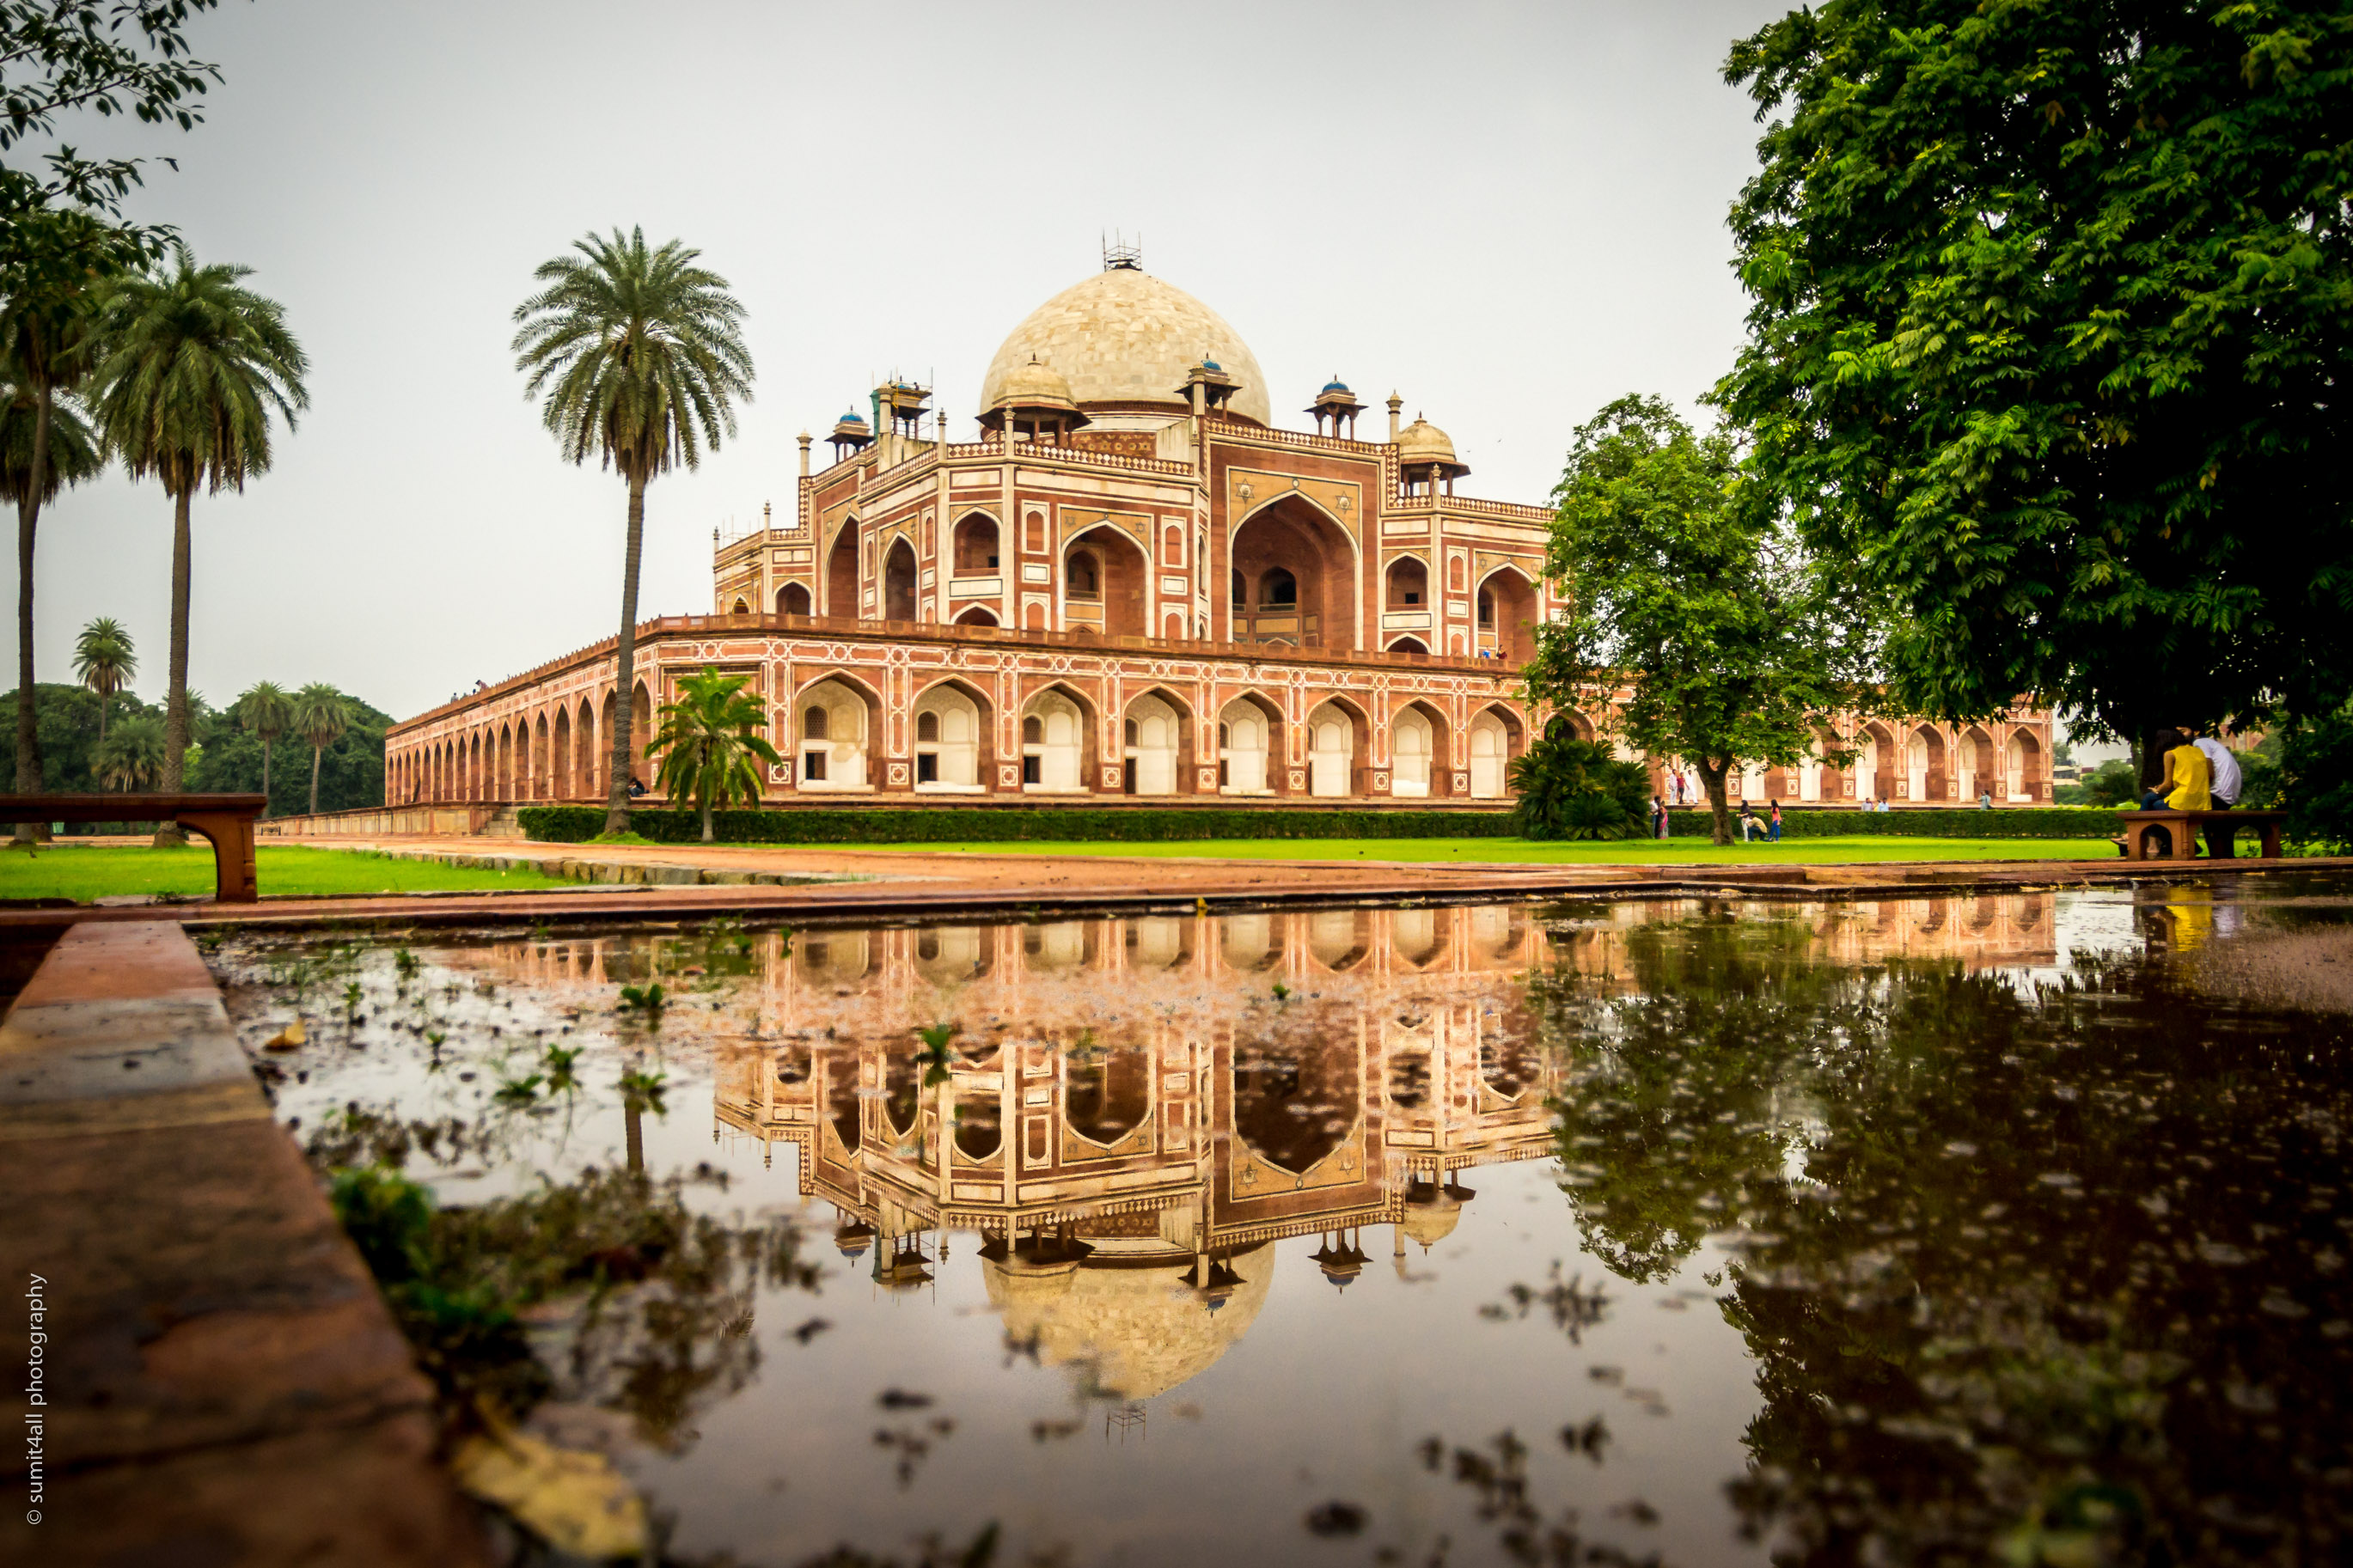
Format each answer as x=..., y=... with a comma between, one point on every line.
x=1132, y=585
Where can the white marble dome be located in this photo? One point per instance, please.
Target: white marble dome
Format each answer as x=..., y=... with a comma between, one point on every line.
x=1125, y=336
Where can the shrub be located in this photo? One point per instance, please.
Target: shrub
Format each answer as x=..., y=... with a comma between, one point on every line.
x=1927, y=822
x=984, y=824
x=1569, y=788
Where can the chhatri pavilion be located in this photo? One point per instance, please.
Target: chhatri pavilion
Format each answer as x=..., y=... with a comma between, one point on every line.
x=1133, y=583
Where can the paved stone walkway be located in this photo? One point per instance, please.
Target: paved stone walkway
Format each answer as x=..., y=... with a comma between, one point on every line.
x=223, y=1383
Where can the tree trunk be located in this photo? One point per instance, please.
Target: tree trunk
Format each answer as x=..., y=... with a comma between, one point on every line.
x=28, y=723
x=105, y=706
x=616, y=799
x=317, y=752
x=265, y=776
x=175, y=702
x=706, y=822
x=1711, y=777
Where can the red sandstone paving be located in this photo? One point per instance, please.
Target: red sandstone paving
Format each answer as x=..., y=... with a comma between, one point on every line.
x=224, y=1383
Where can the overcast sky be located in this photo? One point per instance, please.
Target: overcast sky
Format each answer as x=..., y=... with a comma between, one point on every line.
x=1508, y=214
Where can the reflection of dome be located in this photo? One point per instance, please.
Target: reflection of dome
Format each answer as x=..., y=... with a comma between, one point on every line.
x=1125, y=336
x=1136, y=1333
x=1432, y=1211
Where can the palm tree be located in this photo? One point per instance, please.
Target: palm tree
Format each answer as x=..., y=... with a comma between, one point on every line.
x=132, y=757
x=322, y=714
x=640, y=357
x=193, y=365
x=711, y=745
x=44, y=336
x=45, y=445
x=104, y=660
x=265, y=712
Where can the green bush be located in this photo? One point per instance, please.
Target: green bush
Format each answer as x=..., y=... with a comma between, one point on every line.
x=1932, y=822
x=1569, y=788
x=992, y=824
x=1010, y=823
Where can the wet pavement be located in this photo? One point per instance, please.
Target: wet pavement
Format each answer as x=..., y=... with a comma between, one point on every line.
x=2008, y=1224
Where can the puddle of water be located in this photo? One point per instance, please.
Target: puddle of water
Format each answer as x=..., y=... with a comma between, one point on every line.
x=1695, y=1232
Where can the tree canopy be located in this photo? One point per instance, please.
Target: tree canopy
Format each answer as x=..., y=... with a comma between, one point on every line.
x=1685, y=607
x=2051, y=306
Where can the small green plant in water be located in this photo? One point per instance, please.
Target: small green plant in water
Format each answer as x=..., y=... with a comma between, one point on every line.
x=1282, y=992
x=404, y=964
x=646, y=999
x=935, y=1038
x=520, y=1090
x=558, y=1060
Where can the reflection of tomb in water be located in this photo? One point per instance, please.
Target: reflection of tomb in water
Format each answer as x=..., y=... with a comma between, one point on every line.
x=1159, y=944
x=1131, y=1117
x=947, y=954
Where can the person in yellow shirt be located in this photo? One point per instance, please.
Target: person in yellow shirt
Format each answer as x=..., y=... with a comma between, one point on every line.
x=2186, y=785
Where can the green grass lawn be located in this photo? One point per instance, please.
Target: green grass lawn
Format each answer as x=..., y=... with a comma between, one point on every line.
x=1627, y=851
x=84, y=872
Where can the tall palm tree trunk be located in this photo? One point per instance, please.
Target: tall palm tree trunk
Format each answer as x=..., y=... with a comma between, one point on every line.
x=316, y=753
x=616, y=799
x=28, y=725
x=105, y=706
x=176, y=704
x=265, y=777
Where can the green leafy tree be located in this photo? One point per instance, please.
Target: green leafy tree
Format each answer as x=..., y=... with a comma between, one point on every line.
x=265, y=712
x=640, y=357
x=1562, y=787
x=105, y=661
x=2113, y=783
x=132, y=757
x=1687, y=607
x=322, y=714
x=45, y=445
x=194, y=364
x=2049, y=345
x=711, y=744
x=60, y=59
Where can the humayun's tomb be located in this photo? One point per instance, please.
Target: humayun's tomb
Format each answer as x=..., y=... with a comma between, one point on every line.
x=1132, y=584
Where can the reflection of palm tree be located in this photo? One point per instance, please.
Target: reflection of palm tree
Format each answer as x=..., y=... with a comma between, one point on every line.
x=193, y=365
x=104, y=660
x=641, y=357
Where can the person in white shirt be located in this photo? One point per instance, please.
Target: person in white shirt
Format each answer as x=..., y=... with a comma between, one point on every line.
x=2227, y=782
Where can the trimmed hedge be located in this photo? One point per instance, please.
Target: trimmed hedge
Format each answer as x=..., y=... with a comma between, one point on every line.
x=1930, y=821
x=993, y=825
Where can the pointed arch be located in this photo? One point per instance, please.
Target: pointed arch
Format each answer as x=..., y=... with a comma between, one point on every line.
x=793, y=599
x=955, y=743
x=1058, y=741
x=1505, y=612
x=899, y=580
x=842, y=571
x=1292, y=533
x=1156, y=741
x=1251, y=760
x=1339, y=743
x=1422, y=750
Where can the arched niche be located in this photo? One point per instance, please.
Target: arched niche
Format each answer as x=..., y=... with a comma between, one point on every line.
x=2022, y=767
x=1247, y=756
x=898, y=581
x=977, y=545
x=1507, y=614
x=1422, y=757
x=1056, y=731
x=1496, y=736
x=1104, y=583
x=1107, y=1098
x=1973, y=761
x=1295, y=1102
x=1291, y=542
x=951, y=746
x=833, y=721
x=1153, y=745
x=841, y=574
x=1923, y=764
x=1875, y=762
x=1408, y=644
x=1408, y=584
x=1336, y=743
x=793, y=599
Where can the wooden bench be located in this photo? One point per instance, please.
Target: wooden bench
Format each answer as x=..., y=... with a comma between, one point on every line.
x=225, y=821
x=2182, y=829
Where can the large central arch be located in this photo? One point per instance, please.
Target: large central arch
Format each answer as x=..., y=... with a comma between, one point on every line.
x=1290, y=547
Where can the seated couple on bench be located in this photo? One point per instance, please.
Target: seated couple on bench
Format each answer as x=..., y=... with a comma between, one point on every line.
x=2202, y=776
